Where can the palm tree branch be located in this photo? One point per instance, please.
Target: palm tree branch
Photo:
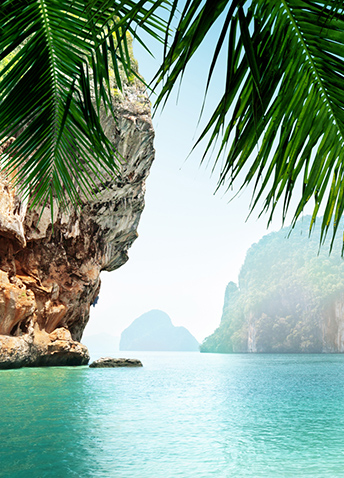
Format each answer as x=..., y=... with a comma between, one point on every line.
x=314, y=68
x=58, y=50
x=295, y=116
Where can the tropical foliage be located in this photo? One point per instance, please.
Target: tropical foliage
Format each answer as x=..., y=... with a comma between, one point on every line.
x=286, y=297
x=279, y=123
x=58, y=57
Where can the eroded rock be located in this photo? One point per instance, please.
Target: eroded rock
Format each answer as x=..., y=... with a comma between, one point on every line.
x=105, y=362
x=49, y=276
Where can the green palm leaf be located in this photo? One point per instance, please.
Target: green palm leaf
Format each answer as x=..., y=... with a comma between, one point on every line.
x=280, y=120
x=58, y=57
x=282, y=111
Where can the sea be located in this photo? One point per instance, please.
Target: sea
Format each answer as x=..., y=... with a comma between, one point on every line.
x=182, y=415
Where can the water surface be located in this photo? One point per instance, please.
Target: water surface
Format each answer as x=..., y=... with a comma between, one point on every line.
x=182, y=415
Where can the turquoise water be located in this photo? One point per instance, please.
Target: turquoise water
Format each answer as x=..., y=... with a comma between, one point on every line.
x=182, y=415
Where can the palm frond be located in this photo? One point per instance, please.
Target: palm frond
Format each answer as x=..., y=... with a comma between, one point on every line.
x=282, y=104
x=57, y=59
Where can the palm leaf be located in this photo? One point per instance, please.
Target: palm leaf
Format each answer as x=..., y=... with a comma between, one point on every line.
x=282, y=94
x=280, y=120
x=58, y=57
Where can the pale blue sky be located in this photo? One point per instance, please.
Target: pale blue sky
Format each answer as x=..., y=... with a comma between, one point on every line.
x=191, y=243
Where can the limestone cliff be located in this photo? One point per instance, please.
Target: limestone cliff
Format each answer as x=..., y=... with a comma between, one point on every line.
x=49, y=273
x=332, y=327
x=290, y=298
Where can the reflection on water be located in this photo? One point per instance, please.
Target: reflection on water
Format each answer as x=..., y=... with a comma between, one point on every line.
x=182, y=415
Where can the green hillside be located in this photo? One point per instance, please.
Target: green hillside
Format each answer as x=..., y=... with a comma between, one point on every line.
x=288, y=298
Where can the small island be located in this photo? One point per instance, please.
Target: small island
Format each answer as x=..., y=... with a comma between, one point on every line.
x=154, y=331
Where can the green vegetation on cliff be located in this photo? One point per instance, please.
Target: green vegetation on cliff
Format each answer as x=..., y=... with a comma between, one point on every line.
x=286, y=297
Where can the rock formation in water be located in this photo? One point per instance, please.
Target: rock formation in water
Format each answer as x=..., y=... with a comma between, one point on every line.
x=109, y=362
x=290, y=297
x=154, y=331
x=49, y=274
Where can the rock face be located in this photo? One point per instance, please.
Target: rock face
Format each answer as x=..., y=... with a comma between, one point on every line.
x=49, y=274
x=109, y=362
x=332, y=327
x=155, y=331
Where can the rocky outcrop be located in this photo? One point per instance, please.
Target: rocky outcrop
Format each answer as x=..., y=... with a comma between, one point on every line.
x=109, y=362
x=49, y=267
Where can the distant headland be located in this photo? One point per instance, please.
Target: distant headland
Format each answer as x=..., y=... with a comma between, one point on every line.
x=289, y=298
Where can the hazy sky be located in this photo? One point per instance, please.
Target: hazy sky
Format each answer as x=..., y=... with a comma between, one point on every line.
x=191, y=243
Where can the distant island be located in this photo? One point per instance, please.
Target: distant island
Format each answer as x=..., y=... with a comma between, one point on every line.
x=154, y=331
x=289, y=299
